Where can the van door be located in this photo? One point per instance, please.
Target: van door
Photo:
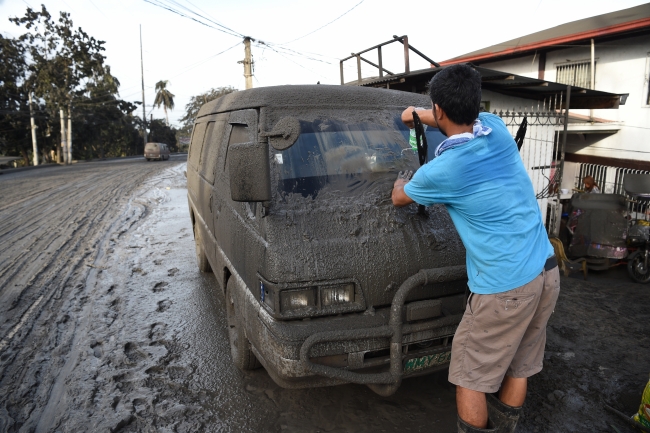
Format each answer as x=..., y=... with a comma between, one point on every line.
x=242, y=239
x=193, y=162
x=216, y=126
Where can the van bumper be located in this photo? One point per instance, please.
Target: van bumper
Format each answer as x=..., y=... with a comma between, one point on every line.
x=377, y=349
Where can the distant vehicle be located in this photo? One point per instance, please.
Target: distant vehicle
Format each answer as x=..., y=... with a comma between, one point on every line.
x=158, y=151
x=325, y=281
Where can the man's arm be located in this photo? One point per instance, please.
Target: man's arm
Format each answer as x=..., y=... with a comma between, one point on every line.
x=426, y=116
x=399, y=197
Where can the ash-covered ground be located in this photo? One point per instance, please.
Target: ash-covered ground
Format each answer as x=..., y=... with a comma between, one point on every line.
x=106, y=325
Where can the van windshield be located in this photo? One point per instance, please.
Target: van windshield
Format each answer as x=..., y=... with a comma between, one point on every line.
x=346, y=158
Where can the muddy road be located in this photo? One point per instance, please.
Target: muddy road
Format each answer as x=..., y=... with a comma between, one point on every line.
x=106, y=325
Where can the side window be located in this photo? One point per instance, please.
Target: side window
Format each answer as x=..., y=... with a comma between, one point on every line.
x=210, y=154
x=197, y=144
x=239, y=133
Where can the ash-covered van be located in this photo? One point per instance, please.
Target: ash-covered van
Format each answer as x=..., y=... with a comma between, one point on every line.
x=325, y=281
x=159, y=151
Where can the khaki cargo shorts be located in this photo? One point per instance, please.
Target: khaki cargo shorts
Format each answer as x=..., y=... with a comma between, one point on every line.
x=503, y=334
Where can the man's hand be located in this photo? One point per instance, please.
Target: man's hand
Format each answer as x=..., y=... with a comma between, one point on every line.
x=405, y=175
x=407, y=117
x=398, y=195
x=426, y=116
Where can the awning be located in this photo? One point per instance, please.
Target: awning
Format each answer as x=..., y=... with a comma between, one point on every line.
x=503, y=83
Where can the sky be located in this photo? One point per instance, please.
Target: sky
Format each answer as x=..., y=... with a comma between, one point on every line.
x=290, y=46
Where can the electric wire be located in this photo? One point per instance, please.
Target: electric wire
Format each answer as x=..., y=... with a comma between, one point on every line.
x=323, y=26
x=205, y=60
x=197, y=17
x=202, y=16
x=167, y=7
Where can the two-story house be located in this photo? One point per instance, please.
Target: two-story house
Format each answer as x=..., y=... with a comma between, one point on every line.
x=609, y=52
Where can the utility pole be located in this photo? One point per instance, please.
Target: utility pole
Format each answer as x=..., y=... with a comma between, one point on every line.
x=61, y=152
x=248, y=63
x=34, y=145
x=144, y=114
x=69, y=153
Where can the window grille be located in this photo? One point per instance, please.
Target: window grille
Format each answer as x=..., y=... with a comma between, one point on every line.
x=575, y=74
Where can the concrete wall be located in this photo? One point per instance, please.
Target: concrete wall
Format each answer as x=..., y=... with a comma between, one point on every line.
x=622, y=66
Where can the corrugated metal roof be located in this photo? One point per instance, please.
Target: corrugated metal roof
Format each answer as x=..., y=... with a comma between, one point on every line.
x=619, y=22
x=500, y=82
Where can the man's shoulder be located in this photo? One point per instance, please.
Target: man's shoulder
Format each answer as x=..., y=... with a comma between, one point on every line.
x=489, y=119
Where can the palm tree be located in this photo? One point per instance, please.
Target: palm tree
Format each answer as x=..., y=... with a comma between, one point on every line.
x=164, y=97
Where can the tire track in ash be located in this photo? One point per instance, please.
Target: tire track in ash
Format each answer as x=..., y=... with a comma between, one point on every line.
x=47, y=241
x=24, y=275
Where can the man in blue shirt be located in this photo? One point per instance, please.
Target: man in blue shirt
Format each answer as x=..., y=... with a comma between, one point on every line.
x=513, y=276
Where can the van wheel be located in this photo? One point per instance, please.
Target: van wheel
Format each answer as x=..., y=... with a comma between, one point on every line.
x=201, y=258
x=240, y=348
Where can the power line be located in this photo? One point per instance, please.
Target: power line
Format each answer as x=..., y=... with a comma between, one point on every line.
x=291, y=52
x=171, y=9
x=165, y=4
x=335, y=19
x=281, y=55
x=205, y=60
x=210, y=19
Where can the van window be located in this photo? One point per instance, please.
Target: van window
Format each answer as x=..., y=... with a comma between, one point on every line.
x=211, y=147
x=197, y=144
x=238, y=134
x=348, y=157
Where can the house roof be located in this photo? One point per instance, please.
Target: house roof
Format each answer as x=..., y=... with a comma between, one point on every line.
x=623, y=22
x=500, y=82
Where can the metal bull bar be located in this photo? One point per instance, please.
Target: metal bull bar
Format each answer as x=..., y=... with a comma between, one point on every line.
x=388, y=382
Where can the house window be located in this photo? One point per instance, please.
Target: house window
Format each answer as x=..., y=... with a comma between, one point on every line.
x=575, y=74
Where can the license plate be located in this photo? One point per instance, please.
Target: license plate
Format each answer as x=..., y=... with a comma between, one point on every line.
x=424, y=362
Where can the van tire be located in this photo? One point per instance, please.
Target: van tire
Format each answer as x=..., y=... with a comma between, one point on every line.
x=201, y=258
x=240, y=348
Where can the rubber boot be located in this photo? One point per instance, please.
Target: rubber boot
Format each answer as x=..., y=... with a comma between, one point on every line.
x=503, y=416
x=463, y=427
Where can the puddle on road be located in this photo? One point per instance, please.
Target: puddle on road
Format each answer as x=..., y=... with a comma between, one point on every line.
x=156, y=354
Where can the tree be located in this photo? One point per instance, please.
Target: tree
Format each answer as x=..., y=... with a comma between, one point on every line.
x=160, y=132
x=14, y=111
x=193, y=107
x=65, y=68
x=164, y=97
x=105, y=123
x=192, y=110
x=63, y=59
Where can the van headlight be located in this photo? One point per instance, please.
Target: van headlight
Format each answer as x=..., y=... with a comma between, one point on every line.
x=337, y=295
x=313, y=299
x=298, y=299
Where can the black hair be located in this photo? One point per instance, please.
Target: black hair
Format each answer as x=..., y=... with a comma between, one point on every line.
x=457, y=90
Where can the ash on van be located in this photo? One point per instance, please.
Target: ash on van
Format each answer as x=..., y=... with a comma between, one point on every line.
x=325, y=281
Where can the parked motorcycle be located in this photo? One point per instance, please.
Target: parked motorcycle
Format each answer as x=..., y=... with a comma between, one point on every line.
x=638, y=188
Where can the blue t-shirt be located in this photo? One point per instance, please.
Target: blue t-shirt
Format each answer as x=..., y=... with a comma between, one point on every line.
x=490, y=198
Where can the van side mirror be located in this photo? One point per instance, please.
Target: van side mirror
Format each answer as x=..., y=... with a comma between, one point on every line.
x=250, y=178
x=284, y=133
